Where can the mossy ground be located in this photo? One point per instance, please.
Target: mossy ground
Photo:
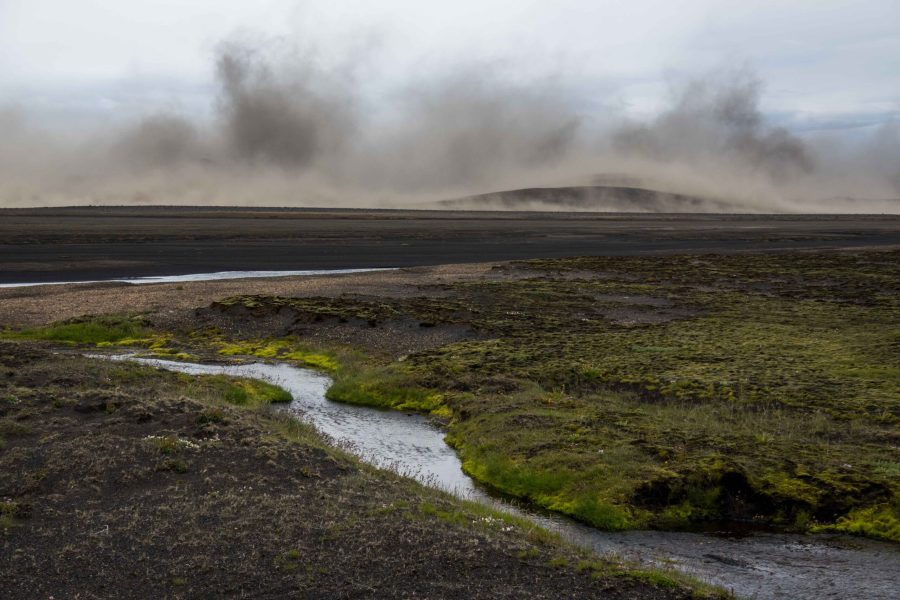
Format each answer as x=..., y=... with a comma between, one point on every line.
x=640, y=391
x=97, y=330
x=663, y=391
x=357, y=380
x=120, y=480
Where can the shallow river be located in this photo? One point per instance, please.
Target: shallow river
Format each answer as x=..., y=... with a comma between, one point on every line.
x=758, y=565
x=216, y=276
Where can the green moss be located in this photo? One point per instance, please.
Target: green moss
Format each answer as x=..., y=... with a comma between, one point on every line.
x=774, y=378
x=384, y=387
x=250, y=392
x=322, y=362
x=287, y=349
x=98, y=330
x=478, y=516
x=262, y=349
x=631, y=392
x=382, y=393
x=247, y=393
x=879, y=521
x=790, y=490
x=596, y=512
x=588, y=495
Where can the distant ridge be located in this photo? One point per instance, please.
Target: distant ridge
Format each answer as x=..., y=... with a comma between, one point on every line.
x=601, y=198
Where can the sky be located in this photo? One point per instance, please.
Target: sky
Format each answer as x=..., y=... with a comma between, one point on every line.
x=769, y=105
x=826, y=64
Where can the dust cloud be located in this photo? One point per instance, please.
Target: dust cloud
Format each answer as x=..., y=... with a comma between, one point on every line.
x=288, y=130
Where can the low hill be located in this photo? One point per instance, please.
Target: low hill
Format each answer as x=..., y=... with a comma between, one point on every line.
x=589, y=198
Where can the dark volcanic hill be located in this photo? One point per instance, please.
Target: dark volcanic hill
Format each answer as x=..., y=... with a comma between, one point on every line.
x=591, y=198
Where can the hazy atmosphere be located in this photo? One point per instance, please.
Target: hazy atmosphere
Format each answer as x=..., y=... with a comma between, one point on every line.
x=397, y=299
x=763, y=108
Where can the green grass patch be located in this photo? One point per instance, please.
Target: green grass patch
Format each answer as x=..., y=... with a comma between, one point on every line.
x=97, y=330
x=582, y=494
x=383, y=387
x=237, y=391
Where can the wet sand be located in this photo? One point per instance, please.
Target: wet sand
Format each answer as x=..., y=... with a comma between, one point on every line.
x=40, y=305
x=88, y=243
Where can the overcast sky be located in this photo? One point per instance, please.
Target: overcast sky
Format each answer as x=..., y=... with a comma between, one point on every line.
x=825, y=63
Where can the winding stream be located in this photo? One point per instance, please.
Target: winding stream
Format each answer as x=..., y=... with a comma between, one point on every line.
x=759, y=565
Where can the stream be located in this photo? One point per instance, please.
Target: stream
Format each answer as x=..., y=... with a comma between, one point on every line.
x=756, y=565
x=216, y=276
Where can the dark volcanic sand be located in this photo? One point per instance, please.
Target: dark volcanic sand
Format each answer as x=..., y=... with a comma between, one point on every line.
x=71, y=244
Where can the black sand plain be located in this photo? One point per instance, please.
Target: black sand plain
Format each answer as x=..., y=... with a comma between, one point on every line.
x=85, y=243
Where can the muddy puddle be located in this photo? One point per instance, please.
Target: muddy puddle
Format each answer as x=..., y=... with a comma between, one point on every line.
x=756, y=565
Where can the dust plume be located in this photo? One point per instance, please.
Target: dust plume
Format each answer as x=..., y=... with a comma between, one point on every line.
x=282, y=113
x=288, y=128
x=467, y=130
x=718, y=121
